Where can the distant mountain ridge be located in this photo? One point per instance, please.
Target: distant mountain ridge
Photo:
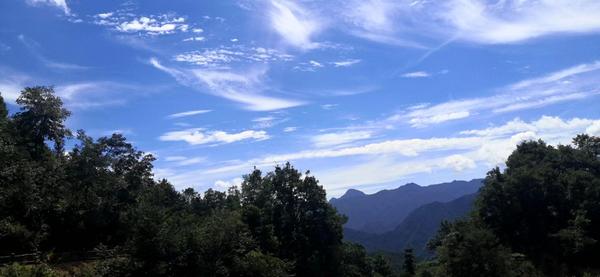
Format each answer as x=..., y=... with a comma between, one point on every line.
x=416, y=229
x=383, y=211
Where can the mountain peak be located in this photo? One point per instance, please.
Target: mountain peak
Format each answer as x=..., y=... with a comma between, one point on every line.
x=352, y=193
x=410, y=185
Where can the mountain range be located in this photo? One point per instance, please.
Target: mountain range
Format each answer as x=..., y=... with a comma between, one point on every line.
x=385, y=210
x=416, y=229
x=406, y=217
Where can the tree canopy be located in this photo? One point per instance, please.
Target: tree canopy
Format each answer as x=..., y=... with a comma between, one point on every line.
x=538, y=216
x=98, y=201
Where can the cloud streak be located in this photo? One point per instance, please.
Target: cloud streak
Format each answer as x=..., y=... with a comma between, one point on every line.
x=197, y=136
x=188, y=113
x=61, y=4
x=295, y=24
x=574, y=83
x=246, y=88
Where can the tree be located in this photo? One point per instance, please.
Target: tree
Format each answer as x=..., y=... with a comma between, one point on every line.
x=381, y=266
x=41, y=118
x=288, y=215
x=545, y=204
x=409, y=262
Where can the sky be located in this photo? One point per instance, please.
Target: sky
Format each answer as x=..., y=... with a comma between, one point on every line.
x=366, y=94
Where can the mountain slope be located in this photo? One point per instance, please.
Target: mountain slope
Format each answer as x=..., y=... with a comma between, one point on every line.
x=382, y=211
x=416, y=230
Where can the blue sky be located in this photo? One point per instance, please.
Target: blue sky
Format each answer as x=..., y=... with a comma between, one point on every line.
x=367, y=94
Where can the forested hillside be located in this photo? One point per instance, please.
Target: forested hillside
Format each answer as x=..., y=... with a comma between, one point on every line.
x=383, y=211
x=95, y=210
x=416, y=229
x=540, y=216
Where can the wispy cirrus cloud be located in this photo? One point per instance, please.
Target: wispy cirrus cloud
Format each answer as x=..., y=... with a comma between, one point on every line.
x=346, y=63
x=391, y=160
x=35, y=49
x=222, y=56
x=339, y=138
x=515, y=21
x=412, y=23
x=416, y=74
x=294, y=23
x=197, y=136
x=188, y=113
x=123, y=21
x=574, y=83
x=61, y=4
x=246, y=88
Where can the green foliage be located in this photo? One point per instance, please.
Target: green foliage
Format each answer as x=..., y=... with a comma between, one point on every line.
x=409, y=262
x=18, y=270
x=545, y=204
x=96, y=210
x=289, y=216
x=540, y=214
x=42, y=118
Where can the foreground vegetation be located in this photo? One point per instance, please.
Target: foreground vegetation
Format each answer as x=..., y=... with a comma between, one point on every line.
x=538, y=217
x=96, y=210
x=99, y=199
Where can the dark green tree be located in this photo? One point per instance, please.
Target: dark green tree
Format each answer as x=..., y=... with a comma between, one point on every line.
x=545, y=204
x=42, y=118
x=288, y=214
x=409, y=265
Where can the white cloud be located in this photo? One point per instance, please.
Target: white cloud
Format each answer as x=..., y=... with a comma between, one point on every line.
x=416, y=74
x=188, y=113
x=419, y=121
x=405, y=23
x=105, y=15
x=125, y=22
x=80, y=95
x=328, y=106
x=175, y=158
x=392, y=160
x=11, y=84
x=406, y=147
x=570, y=84
x=267, y=122
x=294, y=23
x=333, y=139
x=87, y=95
x=194, y=39
x=290, y=129
x=224, y=185
x=10, y=91
x=594, y=129
x=149, y=25
x=245, y=88
x=459, y=162
x=62, y=4
x=518, y=20
x=346, y=63
x=222, y=56
x=315, y=63
x=197, y=136
x=191, y=161
x=34, y=47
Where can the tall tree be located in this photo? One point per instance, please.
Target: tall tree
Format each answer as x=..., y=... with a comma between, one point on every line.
x=289, y=215
x=42, y=118
x=545, y=204
x=409, y=264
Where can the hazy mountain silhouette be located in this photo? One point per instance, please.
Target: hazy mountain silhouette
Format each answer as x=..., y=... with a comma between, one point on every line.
x=416, y=229
x=383, y=211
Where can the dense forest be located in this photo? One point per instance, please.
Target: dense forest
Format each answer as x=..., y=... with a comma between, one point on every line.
x=96, y=210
